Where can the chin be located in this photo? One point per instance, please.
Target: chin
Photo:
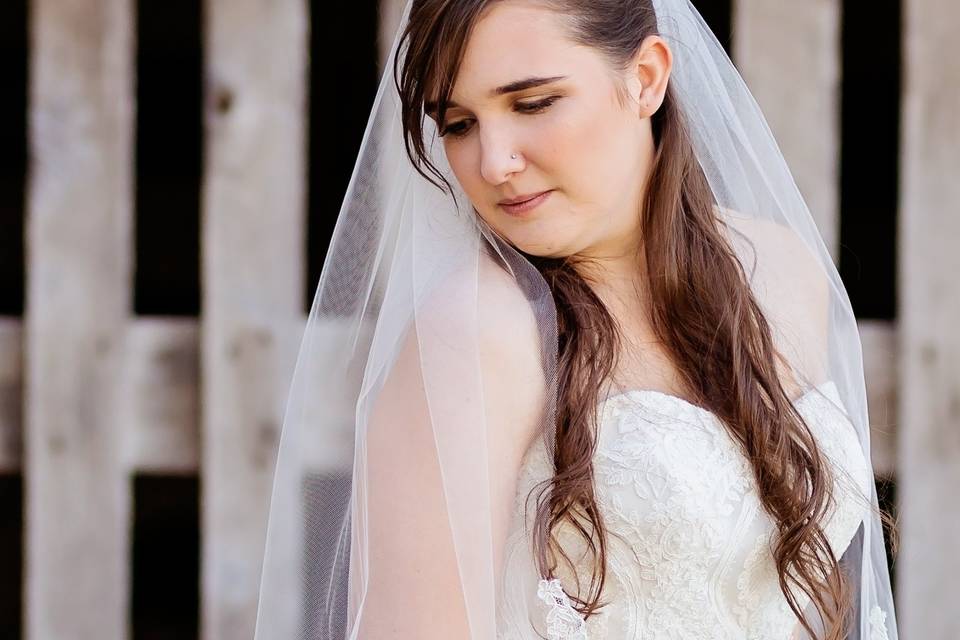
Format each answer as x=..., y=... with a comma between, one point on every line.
x=537, y=247
x=537, y=239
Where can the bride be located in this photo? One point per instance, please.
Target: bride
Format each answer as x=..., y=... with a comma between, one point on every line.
x=579, y=364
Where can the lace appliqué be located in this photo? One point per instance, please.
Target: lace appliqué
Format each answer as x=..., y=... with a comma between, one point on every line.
x=878, y=624
x=676, y=518
x=563, y=621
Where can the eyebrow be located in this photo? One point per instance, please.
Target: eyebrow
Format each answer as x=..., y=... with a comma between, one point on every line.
x=513, y=87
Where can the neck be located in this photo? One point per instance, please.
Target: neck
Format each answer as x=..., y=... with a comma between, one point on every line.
x=617, y=276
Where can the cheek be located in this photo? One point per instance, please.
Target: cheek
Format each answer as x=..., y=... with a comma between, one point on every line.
x=589, y=152
x=596, y=158
x=464, y=163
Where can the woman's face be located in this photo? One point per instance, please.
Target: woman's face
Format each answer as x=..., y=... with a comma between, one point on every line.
x=571, y=136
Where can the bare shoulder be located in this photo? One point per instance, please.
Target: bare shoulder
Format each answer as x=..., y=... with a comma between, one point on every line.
x=507, y=315
x=778, y=246
x=483, y=301
x=479, y=321
x=792, y=285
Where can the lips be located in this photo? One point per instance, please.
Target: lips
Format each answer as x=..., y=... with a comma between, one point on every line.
x=521, y=199
x=524, y=204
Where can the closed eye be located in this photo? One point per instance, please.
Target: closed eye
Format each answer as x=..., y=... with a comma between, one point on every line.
x=460, y=128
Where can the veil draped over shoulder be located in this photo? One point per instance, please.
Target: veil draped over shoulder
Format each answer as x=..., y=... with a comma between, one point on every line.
x=431, y=347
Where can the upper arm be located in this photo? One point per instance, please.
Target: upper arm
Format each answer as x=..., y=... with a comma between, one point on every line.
x=445, y=439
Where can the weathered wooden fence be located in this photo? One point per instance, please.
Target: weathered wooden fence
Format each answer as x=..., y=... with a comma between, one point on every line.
x=90, y=394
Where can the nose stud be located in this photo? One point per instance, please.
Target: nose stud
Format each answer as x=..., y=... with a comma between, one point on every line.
x=513, y=156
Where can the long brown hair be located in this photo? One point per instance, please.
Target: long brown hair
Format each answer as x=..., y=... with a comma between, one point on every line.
x=702, y=309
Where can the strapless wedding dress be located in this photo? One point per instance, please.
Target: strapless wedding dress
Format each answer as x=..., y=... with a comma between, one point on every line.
x=694, y=555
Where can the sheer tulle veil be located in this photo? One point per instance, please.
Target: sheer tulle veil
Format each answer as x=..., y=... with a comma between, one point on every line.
x=389, y=484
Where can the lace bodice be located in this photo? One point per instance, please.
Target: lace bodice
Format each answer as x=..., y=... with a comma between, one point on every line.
x=693, y=558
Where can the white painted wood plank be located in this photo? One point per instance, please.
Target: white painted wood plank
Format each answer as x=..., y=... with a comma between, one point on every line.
x=157, y=404
x=879, y=340
x=160, y=403
x=929, y=309
x=79, y=243
x=253, y=264
x=789, y=55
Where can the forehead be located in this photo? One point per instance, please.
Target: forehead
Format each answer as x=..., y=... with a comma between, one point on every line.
x=514, y=40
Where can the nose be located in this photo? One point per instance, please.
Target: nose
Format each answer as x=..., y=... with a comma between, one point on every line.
x=500, y=158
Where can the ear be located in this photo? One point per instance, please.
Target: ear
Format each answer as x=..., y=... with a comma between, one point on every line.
x=650, y=68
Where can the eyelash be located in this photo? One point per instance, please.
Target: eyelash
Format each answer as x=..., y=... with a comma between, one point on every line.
x=526, y=108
